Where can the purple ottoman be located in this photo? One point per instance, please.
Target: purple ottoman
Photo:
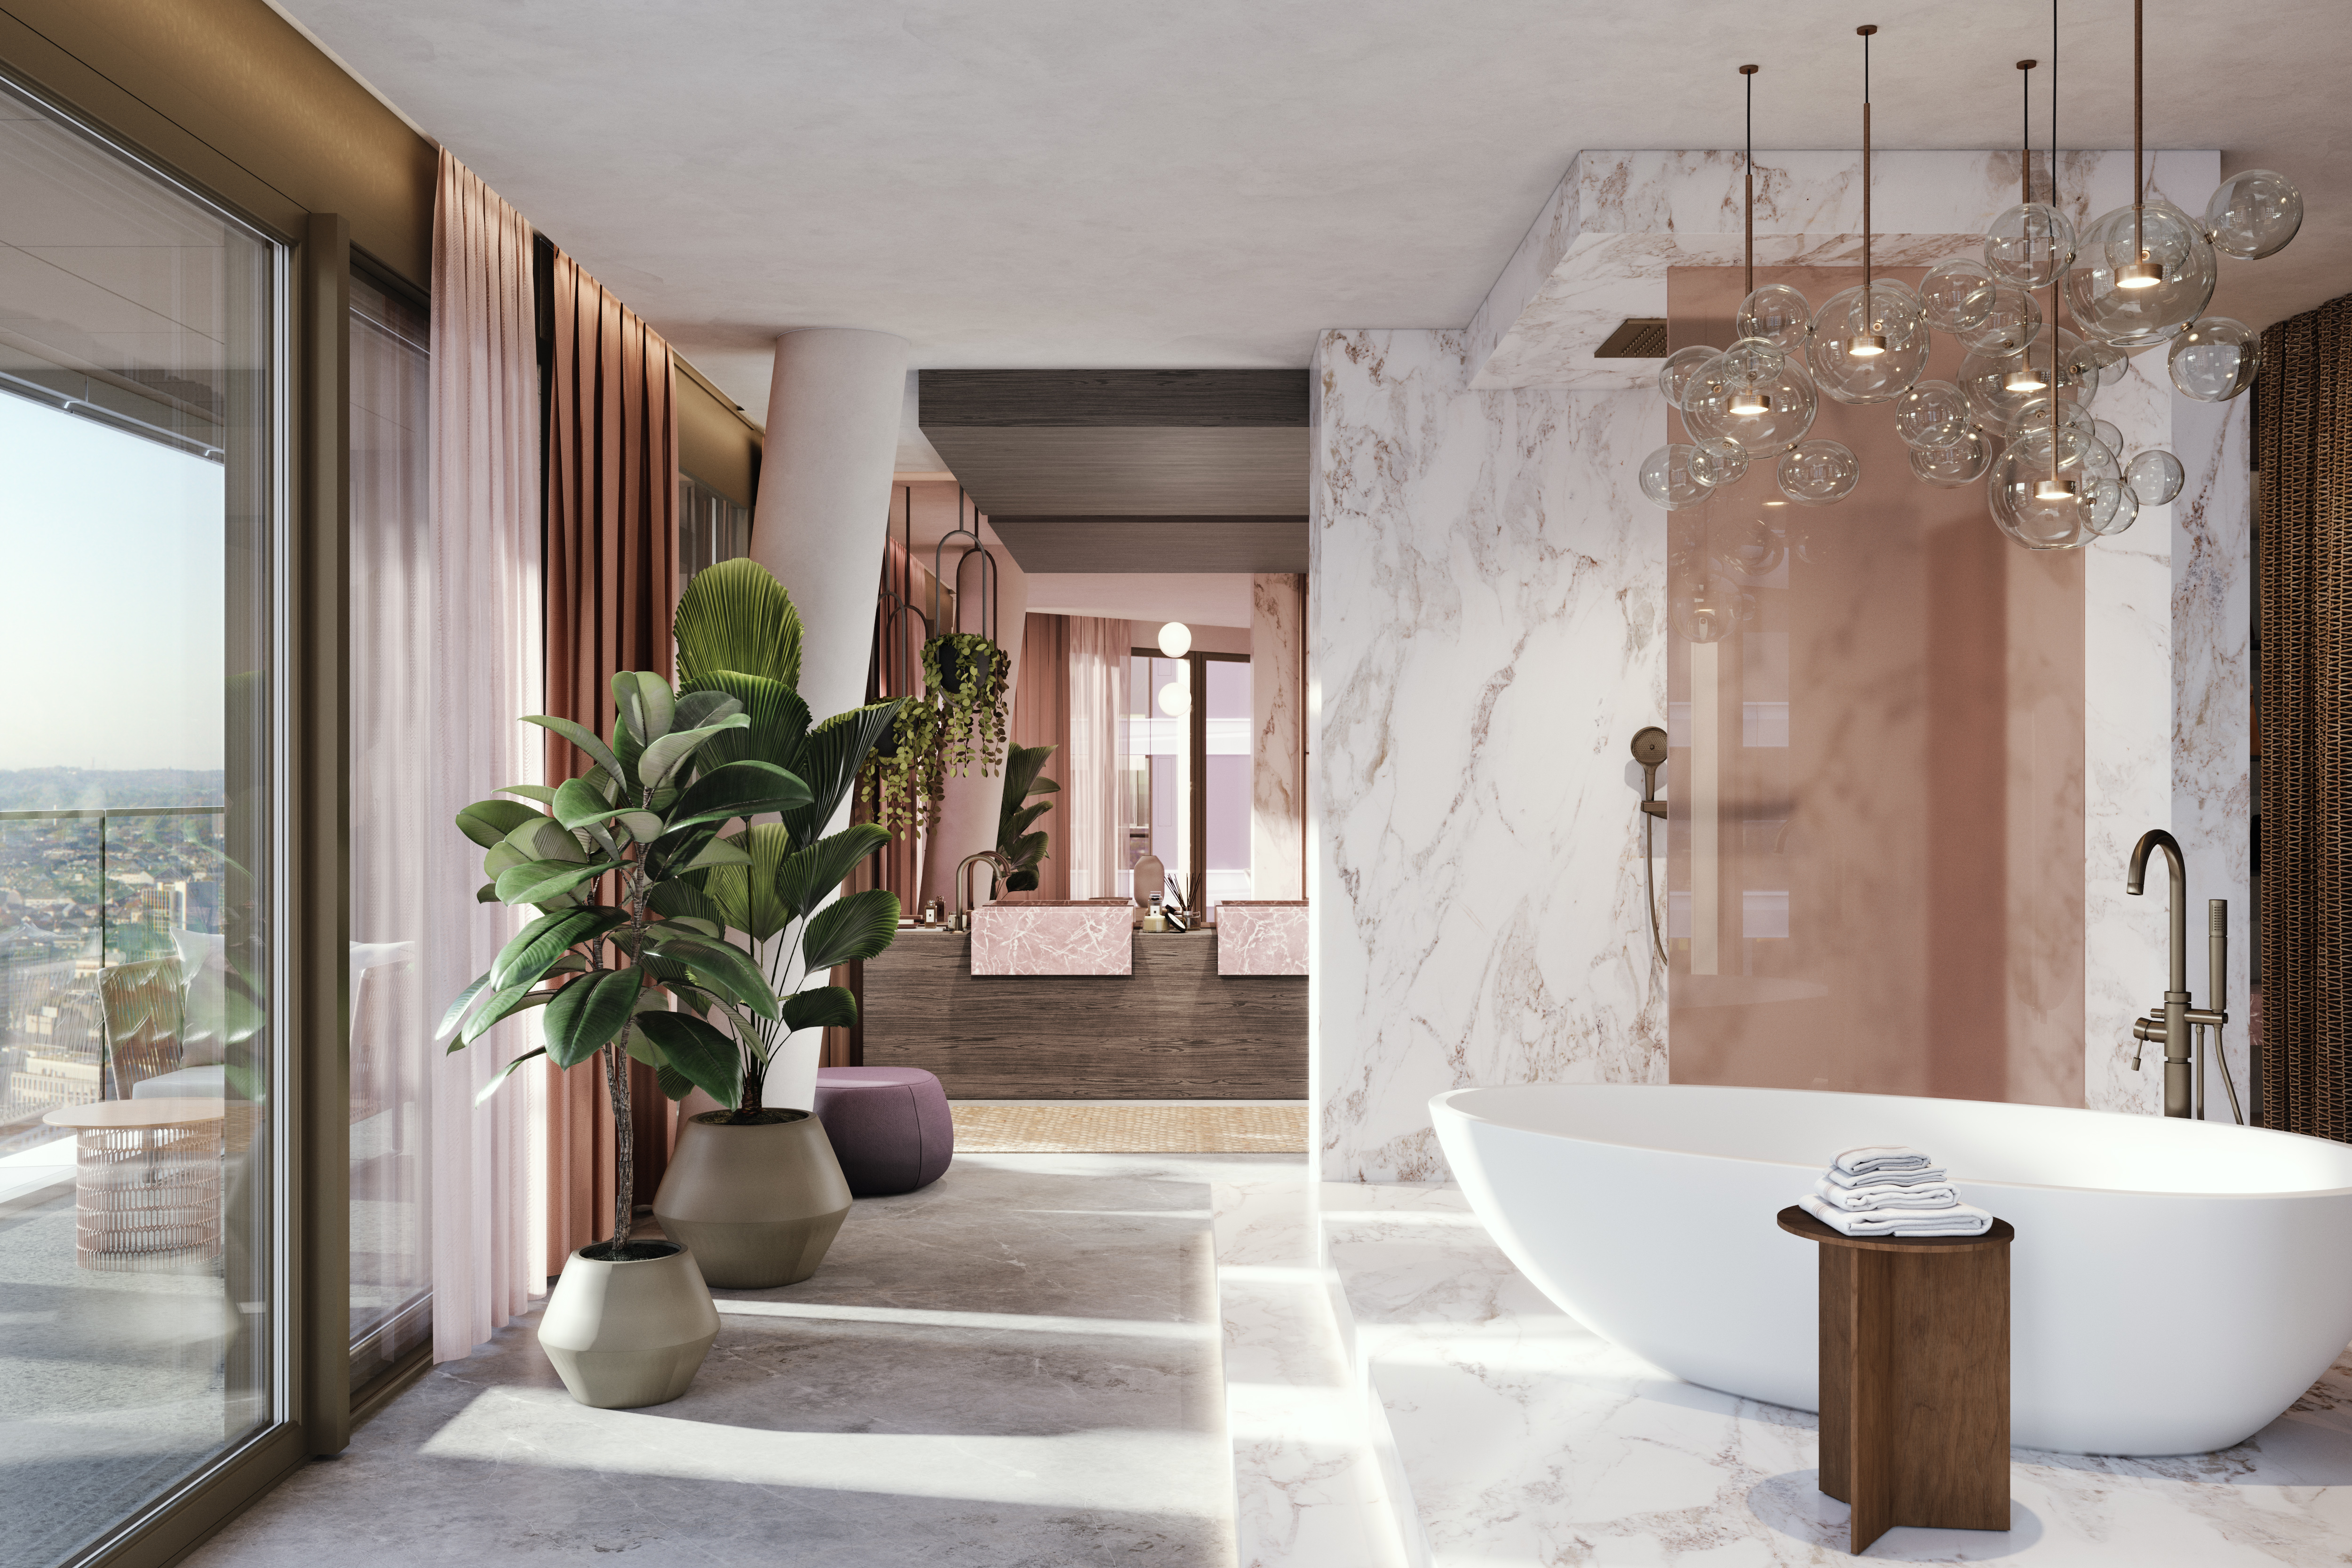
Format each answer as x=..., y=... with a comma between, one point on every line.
x=890, y=1127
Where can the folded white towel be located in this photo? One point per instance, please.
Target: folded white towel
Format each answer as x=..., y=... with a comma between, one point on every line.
x=1873, y=1157
x=1926, y=1176
x=1865, y=1200
x=1961, y=1219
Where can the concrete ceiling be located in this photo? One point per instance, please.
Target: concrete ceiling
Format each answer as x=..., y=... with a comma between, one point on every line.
x=1056, y=183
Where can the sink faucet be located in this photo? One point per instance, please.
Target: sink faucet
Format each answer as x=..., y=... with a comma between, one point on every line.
x=2177, y=1023
x=997, y=862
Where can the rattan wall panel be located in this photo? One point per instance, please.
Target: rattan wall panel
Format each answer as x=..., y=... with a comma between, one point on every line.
x=2304, y=450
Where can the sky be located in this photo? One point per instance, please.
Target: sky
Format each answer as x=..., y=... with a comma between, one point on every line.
x=111, y=597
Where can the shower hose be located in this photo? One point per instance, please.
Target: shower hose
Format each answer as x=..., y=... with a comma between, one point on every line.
x=1650, y=887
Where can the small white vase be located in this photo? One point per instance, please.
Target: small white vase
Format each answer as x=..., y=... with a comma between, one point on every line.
x=629, y=1333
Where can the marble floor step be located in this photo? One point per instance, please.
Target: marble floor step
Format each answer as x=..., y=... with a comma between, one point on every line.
x=1306, y=1488
x=1510, y=1435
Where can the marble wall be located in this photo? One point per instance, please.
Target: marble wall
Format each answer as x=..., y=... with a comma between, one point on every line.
x=1485, y=626
x=1277, y=642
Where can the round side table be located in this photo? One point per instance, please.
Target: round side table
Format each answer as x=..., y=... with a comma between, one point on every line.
x=1914, y=1377
x=147, y=1182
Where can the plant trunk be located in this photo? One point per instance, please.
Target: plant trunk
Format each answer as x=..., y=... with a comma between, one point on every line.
x=755, y=1080
x=625, y=1176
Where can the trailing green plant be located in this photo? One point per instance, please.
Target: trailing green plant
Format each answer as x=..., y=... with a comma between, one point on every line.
x=903, y=781
x=739, y=638
x=628, y=979
x=1022, y=848
x=963, y=676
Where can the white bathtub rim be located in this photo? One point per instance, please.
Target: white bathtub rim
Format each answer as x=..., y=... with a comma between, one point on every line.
x=1444, y=1099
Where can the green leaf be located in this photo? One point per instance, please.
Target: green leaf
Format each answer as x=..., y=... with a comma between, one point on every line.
x=501, y=856
x=829, y=761
x=488, y=821
x=539, y=793
x=744, y=896
x=779, y=721
x=735, y=616
x=464, y=1000
x=718, y=852
x=663, y=756
x=534, y=950
x=583, y=737
x=513, y=999
x=682, y=898
x=644, y=701
x=544, y=838
x=722, y=966
x=487, y=893
x=642, y=825
x=821, y=1007
x=577, y=805
x=535, y=881
x=506, y=1072
x=673, y=1084
x=700, y=1052
x=859, y=926
x=737, y=789
x=589, y=1012
x=696, y=708
x=810, y=876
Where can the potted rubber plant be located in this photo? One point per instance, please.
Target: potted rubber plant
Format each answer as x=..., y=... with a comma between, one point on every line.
x=1022, y=848
x=617, y=979
x=752, y=1189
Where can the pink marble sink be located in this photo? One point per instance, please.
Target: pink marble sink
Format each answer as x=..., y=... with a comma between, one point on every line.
x=1262, y=936
x=1045, y=936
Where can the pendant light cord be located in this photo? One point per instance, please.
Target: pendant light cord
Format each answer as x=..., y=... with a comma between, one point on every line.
x=2139, y=185
x=1749, y=72
x=1865, y=31
x=2025, y=136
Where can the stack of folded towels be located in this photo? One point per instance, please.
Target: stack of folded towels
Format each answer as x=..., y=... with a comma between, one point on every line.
x=1888, y=1190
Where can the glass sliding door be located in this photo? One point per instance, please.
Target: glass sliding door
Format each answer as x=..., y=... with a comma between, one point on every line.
x=141, y=488
x=392, y=623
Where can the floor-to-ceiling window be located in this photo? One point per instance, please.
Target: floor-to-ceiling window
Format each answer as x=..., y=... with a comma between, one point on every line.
x=391, y=628
x=1185, y=791
x=141, y=485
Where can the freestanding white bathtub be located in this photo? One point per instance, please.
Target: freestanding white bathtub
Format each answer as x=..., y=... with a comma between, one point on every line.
x=2174, y=1285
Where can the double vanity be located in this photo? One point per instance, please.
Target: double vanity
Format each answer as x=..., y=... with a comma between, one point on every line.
x=1067, y=1000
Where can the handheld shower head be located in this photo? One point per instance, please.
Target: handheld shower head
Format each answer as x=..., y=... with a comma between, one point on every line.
x=1650, y=747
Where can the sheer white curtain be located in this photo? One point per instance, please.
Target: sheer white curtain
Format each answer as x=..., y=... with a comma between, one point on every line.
x=488, y=1176
x=1099, y=650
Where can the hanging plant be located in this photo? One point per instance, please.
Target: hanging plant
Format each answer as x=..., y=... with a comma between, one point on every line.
x=963, y=676
x=903, y=781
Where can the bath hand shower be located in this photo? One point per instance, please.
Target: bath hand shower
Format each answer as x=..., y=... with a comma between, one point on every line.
x=1650, y=751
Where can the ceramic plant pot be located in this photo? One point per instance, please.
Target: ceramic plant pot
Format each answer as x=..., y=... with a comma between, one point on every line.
x=757, y=1203
x=628, y=1333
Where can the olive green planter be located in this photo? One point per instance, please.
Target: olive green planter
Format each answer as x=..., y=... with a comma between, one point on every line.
x=757, y=1203
x=628, y=1334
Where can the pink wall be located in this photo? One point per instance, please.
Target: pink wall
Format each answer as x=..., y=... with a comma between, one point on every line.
x=1897, y=744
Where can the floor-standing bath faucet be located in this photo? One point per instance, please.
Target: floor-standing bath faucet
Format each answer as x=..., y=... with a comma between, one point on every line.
x=2176, y=1025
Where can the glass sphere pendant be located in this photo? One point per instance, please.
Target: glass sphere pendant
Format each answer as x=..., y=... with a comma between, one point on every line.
x=2253, y=214
x=1931, y=414
x=2142, y=274
x=2216, y=359
x=2012, y=320
x=1956, y=295
x=1717, y=461
x=1963, y=462
x=1666, y=479
x=2047, y=502
x=1709, y=609
x=2028, y=245
x=1778, y=314
x=1754, y=395
x=1999, y=385
x=2156, y=476
x=1869, y=345
x=1819, y=472
x=1675, y=376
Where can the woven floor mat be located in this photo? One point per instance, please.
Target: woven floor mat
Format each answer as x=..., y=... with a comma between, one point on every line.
x=1130, y=1129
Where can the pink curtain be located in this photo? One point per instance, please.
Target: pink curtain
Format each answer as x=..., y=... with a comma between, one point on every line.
x=1090, y=803
x=486, y=674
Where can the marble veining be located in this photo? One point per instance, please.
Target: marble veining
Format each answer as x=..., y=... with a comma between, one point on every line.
x=1262, y=937
x=1053, y=938
x=1488, y=625
x=1514, y=1436
x=1277, y=754
x=1599, y=246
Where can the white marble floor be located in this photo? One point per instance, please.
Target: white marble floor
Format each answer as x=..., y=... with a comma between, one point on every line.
x=1510, y=1435
x=1016, y=1366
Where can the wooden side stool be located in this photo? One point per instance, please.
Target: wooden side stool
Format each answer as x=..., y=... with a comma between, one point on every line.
x=1914, y=1377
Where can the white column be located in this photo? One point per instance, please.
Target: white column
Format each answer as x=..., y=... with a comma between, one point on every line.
x=825, y=496
x=823, y=516
x=968, y=817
